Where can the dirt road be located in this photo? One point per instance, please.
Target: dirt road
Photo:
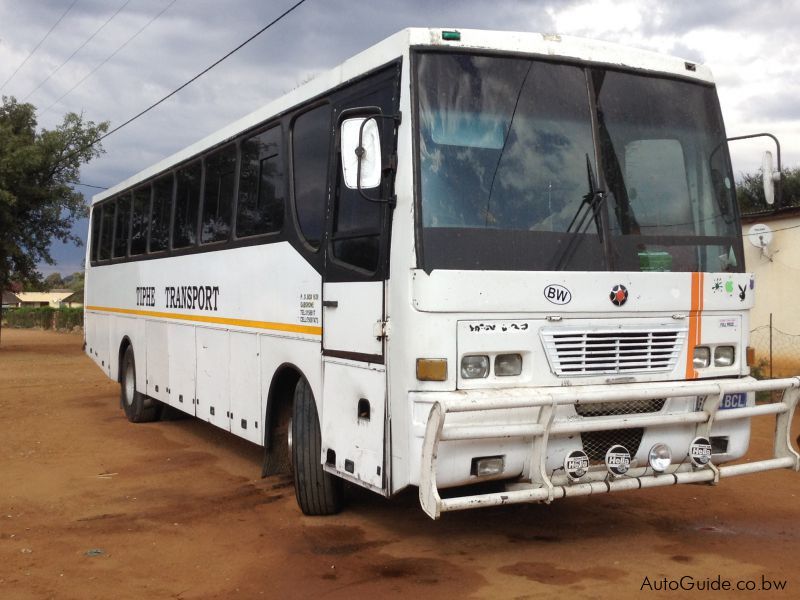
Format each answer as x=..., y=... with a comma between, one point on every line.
x=92, y=506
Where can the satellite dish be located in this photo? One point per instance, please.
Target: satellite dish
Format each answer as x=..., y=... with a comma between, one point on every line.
x=760, y=235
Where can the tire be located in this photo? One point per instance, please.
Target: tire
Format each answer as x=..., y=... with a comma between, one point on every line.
x=138, y=407
x=317, y=492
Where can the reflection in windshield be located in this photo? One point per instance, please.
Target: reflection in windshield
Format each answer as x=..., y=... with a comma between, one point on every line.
x=507, y=161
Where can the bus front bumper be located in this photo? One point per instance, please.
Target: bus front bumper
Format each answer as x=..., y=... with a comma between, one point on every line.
x=540, y=484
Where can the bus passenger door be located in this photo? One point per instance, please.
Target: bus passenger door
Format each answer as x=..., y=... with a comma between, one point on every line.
x=354, y=419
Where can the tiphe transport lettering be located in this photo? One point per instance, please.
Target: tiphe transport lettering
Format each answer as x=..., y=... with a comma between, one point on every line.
x=193, y=297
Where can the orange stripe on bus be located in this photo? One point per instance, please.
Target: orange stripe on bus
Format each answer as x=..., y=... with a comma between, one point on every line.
x=695, y=314
x=217, y=320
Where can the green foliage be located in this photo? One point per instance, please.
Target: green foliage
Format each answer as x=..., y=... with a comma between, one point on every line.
x=53, y=281
x=44, y=317
x=750, y=191
x=75, y=281
x=38, y=168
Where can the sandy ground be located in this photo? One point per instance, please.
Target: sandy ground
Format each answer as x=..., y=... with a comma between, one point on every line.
x=92, y=506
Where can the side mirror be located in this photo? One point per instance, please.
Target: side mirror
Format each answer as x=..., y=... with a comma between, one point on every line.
x=361, y=153
x=770, y=177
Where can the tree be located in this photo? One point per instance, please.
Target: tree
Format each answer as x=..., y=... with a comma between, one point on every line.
x=74, y=282
x=38, y=168
x=53, y=281
x=750, y=191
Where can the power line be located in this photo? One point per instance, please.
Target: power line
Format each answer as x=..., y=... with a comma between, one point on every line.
x=78, y=49
x=178, y=89
x=89, y=185
x=110, y=56
x=203, y=72
x=46, y=35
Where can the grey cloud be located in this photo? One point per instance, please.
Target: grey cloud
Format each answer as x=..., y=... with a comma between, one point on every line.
x=783, y=106
x=315, y=37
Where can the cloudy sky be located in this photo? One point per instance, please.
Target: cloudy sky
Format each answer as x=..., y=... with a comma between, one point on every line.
x=142, y=49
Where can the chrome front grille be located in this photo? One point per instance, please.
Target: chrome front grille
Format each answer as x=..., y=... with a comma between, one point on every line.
x=600, y=351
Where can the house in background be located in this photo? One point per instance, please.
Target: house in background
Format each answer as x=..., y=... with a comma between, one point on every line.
x=776, y=269
x=53, y=299
x=9, y=299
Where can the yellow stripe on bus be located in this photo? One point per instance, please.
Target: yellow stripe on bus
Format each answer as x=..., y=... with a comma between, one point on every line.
x=207, y=319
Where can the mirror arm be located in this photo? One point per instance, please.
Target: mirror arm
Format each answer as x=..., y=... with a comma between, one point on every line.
x=778, y=190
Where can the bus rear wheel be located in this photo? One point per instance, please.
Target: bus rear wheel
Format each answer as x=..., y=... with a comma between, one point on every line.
x=138, y=407
x=317, y=492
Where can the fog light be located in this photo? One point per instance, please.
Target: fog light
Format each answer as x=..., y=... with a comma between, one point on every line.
x=618, y=460
x=724, y=356
x=474, y=367
x=507, y=365
x=485, y=466
x=576, y=464
x=700, y=451
x=660, y=457
x=702, y=357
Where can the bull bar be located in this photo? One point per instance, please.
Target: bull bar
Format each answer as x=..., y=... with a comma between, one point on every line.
x=543, y=487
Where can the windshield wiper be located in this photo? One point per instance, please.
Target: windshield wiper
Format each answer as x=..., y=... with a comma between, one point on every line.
x=591, y=204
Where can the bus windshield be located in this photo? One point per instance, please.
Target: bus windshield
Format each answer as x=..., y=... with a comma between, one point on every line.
x=533, y=165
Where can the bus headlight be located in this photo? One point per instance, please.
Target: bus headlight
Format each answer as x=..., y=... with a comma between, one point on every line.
x=702, y=357
x=660, y=457
x=724, y=356
x=474, y=367
x=507, y=365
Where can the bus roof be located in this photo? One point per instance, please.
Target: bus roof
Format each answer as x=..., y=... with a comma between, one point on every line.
x=550, y=45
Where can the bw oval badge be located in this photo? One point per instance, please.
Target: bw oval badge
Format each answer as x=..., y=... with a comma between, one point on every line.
x=557, y=294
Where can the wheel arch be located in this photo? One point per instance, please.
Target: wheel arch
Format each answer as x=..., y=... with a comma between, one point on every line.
x=123, y=347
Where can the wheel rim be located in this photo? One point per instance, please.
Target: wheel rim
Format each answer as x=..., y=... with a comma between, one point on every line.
x=289, y=440
x=130, y=384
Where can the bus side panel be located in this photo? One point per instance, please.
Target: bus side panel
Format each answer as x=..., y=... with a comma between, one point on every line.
x=182, y=367
x=353, y=422
x=90, y=333
x=100, y=342
x=157, y=360
x=245, y=388
x=213, y=362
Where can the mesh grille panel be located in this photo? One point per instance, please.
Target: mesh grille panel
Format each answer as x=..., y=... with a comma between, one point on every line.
x=603, y=409
x=597, y=443
x=609, y=351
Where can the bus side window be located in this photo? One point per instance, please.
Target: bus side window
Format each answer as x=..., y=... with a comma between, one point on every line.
x=220, y=177
x=140, y=220
x=260, y=205
x=106, y=230
x=97, y=213
x=311, y=138
x=122, y=224
x=187, y=200
x=160, y=215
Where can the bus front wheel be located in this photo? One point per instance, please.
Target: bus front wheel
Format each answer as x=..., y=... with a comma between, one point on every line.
x=138, y=407
x=317, y=492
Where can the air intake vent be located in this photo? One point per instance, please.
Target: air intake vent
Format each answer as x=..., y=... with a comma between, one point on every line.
x=609, y=351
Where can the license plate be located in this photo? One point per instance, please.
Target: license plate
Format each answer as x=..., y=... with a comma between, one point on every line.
x=735, y=400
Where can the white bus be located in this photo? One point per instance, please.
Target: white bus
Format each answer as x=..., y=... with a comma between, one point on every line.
x=459, y=257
